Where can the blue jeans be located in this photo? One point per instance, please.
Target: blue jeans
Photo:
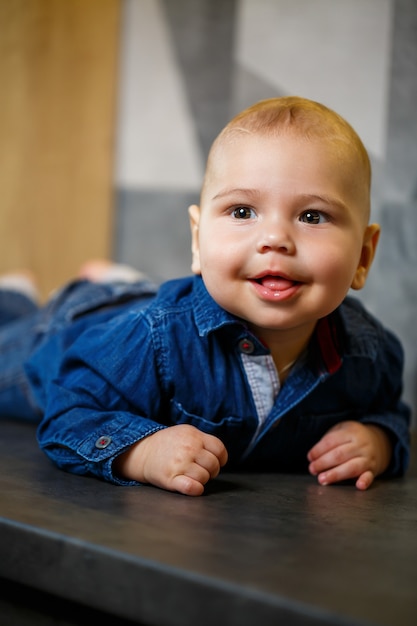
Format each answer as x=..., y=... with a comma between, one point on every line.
x=18, y=321
x=24, y=327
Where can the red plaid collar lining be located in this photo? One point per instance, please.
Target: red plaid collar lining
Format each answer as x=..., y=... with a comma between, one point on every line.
x=328, y=343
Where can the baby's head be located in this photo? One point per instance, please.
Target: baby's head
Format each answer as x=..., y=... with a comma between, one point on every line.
x=282, y=231
x=303, y=119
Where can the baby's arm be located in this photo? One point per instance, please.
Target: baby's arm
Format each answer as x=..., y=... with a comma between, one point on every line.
x=351, y=450
x=179, y=458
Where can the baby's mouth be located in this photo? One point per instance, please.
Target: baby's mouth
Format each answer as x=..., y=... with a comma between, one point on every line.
x=275, y=283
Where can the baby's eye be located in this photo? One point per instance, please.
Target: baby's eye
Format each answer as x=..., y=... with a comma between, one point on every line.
x=313, y=217
x=243, y=213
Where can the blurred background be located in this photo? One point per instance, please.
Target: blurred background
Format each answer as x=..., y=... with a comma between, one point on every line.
x=108, y=109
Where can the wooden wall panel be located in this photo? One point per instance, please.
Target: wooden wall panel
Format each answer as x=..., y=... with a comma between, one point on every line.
x=58, y=84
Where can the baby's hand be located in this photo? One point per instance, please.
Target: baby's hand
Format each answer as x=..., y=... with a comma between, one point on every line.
x=179, y=458
x=351, y=450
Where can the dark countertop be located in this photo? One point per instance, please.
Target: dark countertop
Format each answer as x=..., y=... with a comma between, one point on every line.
x=257, y=548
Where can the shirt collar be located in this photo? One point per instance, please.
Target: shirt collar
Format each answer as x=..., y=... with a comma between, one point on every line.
x=209, y=316
x=347, y=332
x=361, y=331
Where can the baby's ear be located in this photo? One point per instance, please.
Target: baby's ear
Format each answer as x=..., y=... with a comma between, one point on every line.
x=370, y=242
x=194, y=213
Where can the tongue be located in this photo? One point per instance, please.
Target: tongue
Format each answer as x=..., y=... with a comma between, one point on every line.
x=274, y=283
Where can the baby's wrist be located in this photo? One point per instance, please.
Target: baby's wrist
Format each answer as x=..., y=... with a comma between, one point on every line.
x=128, y=465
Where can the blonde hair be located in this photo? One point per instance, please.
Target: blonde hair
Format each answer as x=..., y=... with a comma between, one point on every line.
x=300, y=116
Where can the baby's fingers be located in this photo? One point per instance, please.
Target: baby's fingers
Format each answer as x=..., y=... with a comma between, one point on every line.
x=193, y=478
x=351, y=469
x=216, y=447
x=336, y=437
x=329, y=458
x=187, y=485
x=208, y=462
x=365, y=480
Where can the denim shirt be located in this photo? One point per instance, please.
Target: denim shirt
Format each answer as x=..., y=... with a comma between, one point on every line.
x=184, y=360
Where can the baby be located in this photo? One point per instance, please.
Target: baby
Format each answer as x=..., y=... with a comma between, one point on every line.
x=261, y=359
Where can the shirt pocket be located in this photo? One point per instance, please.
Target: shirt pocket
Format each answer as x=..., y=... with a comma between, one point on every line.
x=235, y=432
x=313, y=426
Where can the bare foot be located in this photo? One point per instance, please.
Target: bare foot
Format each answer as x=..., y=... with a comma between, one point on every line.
x=94, y=270
x=103, y=271
x=23, y=281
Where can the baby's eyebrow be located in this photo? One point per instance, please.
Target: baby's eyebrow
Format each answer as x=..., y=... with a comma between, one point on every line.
x=330, y=200
x=250, y=193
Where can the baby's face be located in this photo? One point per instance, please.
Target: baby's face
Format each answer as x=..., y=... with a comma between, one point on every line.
x=279, y=239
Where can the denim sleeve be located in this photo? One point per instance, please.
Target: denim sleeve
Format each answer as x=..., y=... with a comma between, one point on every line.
x=104, y=399
x=388, y=410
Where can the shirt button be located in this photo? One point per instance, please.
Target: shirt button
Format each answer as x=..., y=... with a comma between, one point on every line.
x=246, y=346
x=103, y=442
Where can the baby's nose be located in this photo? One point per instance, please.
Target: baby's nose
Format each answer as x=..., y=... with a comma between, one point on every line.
x=276, y=236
